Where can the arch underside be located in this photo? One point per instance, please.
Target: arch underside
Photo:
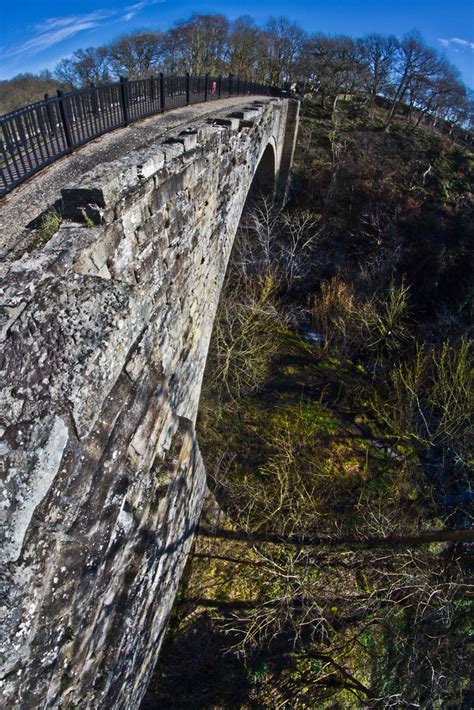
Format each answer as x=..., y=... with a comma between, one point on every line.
x=264, y=179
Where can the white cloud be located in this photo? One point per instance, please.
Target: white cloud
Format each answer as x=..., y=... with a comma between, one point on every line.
x=57, y=29
x=464, y=43
x=132, y=10
x=139, y=5
x=54, y=30
x=52, y=23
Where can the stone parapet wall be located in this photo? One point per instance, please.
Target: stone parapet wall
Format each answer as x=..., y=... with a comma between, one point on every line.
x=105, y=333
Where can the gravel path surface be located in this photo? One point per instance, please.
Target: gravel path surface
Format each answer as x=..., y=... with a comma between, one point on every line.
x=42, y=191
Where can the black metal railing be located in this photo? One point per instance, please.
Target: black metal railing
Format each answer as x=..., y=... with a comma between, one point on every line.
x=36, y=135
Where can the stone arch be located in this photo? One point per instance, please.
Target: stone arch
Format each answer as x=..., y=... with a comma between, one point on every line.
x=264, y=178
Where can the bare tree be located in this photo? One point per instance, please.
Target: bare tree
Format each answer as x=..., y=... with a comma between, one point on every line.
x=284, y=40
x=136, y=55
x=334, y=64
x=85, y=67
x=200, y=43
x=378, y=55
x=430, y=95
x=416, y=62
x=245, y=48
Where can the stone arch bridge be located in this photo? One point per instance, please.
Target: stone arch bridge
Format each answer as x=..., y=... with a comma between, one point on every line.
x=105, y=331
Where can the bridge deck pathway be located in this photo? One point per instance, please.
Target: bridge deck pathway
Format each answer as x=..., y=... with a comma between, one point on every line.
x=21, y=207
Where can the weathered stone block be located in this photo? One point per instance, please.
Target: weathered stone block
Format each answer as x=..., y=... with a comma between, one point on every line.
x=232, y=123
x=149, y=165
x=189, y=139
x=172, y=150
x=244, y=115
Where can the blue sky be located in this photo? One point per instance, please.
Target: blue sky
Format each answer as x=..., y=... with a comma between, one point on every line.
x=36, y=35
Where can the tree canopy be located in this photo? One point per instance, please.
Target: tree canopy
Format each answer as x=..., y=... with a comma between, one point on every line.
x=405, y=72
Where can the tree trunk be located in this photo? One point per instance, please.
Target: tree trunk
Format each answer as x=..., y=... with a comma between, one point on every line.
x=397, y=99
x=410, y=540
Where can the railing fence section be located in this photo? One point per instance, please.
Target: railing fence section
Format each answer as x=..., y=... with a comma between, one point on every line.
x=36, y=135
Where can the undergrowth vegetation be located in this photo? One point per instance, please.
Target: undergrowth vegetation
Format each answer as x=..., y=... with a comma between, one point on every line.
x=336, y=424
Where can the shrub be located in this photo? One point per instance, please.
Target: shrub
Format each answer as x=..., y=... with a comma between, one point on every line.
x=354, y=326
x=429, y=400
x=246, y=334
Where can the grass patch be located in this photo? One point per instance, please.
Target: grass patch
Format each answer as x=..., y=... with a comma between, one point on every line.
x=50, y=224
x=309, y=426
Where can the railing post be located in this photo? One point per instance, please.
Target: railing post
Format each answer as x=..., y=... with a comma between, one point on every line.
x=124, y=99
x=94, y=102
x=152, y=89
x=230, y=84
x=206, y=85
x=64, y=121
x=51, y=119
x=187, y=88
x=162, y=91
x=219, y=83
